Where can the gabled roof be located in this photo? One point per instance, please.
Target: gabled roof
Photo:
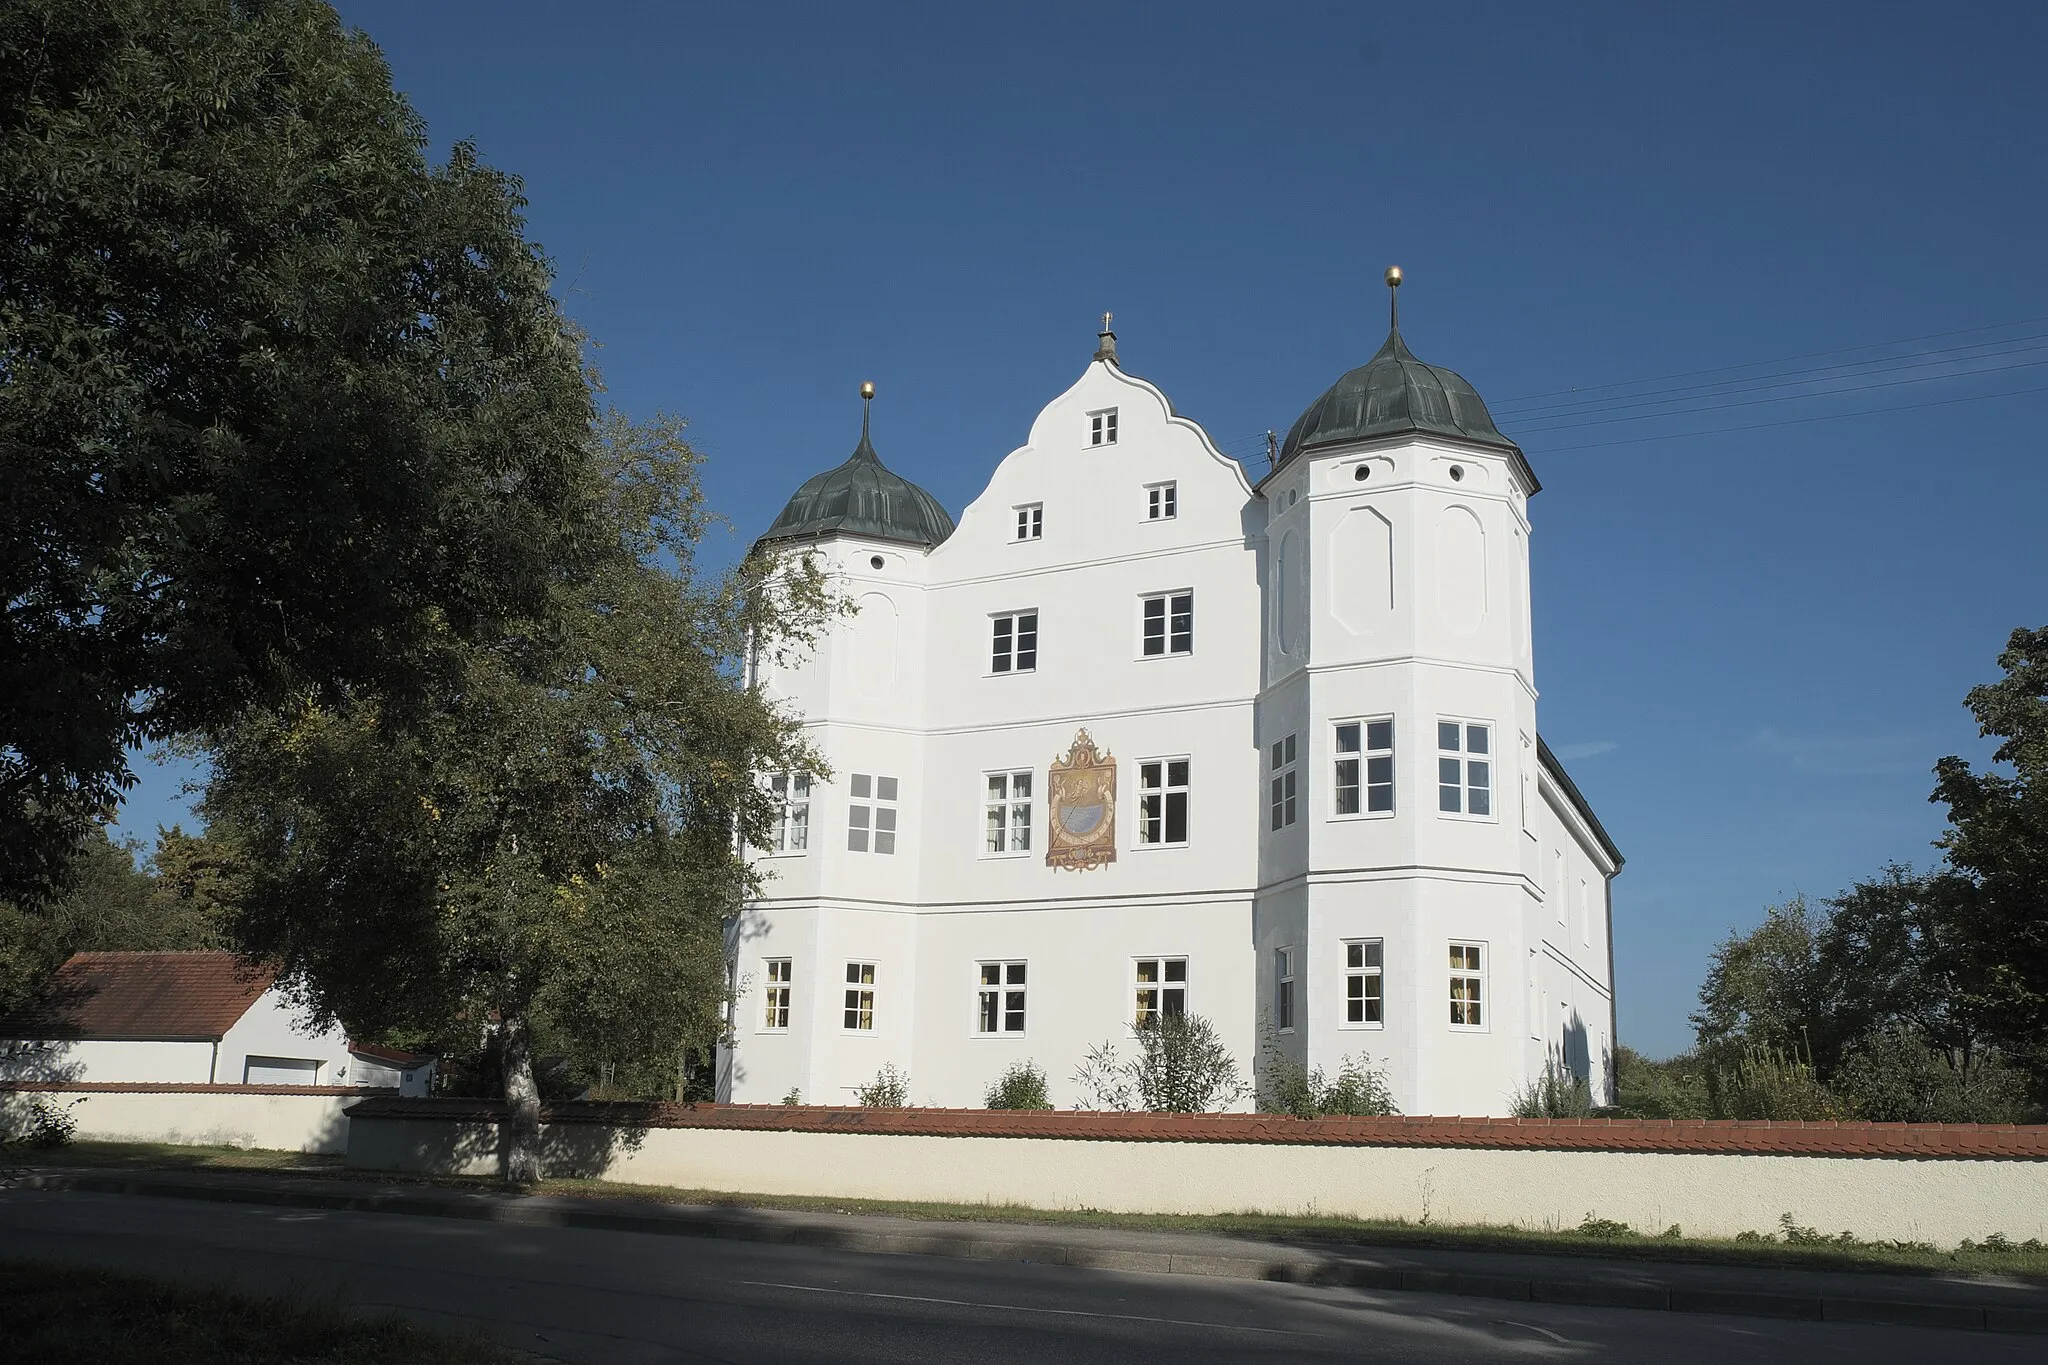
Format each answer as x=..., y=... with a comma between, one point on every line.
x=1578, y=800
x=184, y=997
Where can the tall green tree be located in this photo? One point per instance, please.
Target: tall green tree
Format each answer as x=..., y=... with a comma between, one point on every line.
x=285, y=406
x=1998, y=840
x=546, y=856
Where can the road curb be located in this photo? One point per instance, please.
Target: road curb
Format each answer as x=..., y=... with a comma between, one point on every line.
x=1329, y=1269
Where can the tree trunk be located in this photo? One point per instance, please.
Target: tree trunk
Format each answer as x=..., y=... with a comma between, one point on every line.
x=522, y=1103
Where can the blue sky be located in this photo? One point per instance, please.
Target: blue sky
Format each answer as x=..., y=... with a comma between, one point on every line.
x=1752, y=644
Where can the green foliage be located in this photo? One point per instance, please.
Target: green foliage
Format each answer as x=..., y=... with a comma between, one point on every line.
x=1893, y=1076
x=794, y=1097
x=545, y=855
x=1768, y=1083
x=890, y=1089
x=1762, y=988
x=1998, y=842
x=1672, y=1089
x=1286, y=1086
x=34, y=1120
x=1182, y=1067
x=285, y=408
x=110, y=905
x=1605, y=1229
x=1021, y=1086
x=1556, y=1094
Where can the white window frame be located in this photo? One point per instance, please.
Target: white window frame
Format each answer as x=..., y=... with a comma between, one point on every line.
x=1007, y=654
x=1359, y=768
x=777, y=991
x=1283, y=783
x=1012, y=809
x=1174, y=604
x=1102, y=427
x=1488, y=763
x=857, y=1012
x=1371, y=966
x=997, y=999
x=1284, y=1003
x=1162, y=500
x=1156, y=794
x=1475, y=1005
x=791, y=792
x=1030, y=523
x=1168, y=991
x=871, y=811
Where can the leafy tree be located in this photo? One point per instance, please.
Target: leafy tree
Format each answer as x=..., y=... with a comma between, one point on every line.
x=1675, y=1088
x=1998, y=841
x=1893, y=1075
x=546, y=856
x=1896, y=953
x=111, y=905
x=1763, y=988
x=285, y=408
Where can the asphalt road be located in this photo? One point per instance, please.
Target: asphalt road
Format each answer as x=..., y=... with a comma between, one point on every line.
x=635, y=1298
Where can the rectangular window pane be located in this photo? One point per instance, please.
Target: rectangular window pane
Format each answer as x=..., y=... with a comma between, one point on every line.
x=1177, y=969
x=1177, y=773
x=862, y=787
x=1172, y=500
x=1182, y=625
x=1287, y=747
x=1379, y=735
x=1354, y=955
x=1347, y=738
x=1475, y=739
x=1447, y=736
x=885, y=789
x=1347, y=786
x=1177, y=817
x=1013, y=1011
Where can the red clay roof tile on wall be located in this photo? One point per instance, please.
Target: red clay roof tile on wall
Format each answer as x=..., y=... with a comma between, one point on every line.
x=1715, y=1136
x=108, y=996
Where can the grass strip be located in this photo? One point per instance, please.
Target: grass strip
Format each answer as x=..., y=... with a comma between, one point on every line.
x=1788, y=1247
x=79, y=1315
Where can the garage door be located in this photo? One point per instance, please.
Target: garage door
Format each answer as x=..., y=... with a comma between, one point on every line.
x=280, y=1071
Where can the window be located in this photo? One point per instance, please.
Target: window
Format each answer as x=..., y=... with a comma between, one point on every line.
x=1162, y=987
x=1464, y=768
x=860, y=997
x=1364, y=984
x=1001, y=1001
x=1031, y=521
x=1280, y=788
x=1015, y=647
x=872, y=812
x=1162, y=501
x=1585, y=912
x=1102, y=427
x=1169, y=624
x=1373, y=762
x=792, y=793
x=778, y=993
x=1163, y=801
x=1468, y=984
x=1283, y=989
x=1007, y=812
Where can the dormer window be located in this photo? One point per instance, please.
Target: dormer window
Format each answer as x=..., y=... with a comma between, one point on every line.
x=1102, y=427
x=1162, y=501
x=1030, y=521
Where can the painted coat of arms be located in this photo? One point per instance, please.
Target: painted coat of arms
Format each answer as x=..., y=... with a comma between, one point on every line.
x=1083, y=799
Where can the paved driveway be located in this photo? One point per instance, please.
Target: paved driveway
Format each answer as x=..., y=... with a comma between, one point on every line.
x=588, y=1295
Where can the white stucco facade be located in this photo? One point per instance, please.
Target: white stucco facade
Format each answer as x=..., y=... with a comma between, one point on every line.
x=1306, y=622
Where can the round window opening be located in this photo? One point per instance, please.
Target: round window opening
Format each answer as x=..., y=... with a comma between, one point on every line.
x=874, y=561
x=1457, y=473
x=1362, y=473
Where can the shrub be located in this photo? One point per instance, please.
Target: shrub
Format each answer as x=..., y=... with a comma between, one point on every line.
x=1556, y=1094
x=1892, y=1076
x=1768, y=1083
x=1288, y=1087
x=1021, y=1086
x=794, y=1097
x=1606, y=1229
x=890, y=1089
x=1672, y=1089
x=1182, y=1067
x=38, y=1121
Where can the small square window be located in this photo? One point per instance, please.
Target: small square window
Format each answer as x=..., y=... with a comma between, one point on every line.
x=999, y=998
x=1162, y=501
x=1013, y=645
x=1163, y=801
x=1364, y=767
x=1030, y=521
x=1169, y=624
x=1102, y=427
x=1162, y=987
x=871, y=816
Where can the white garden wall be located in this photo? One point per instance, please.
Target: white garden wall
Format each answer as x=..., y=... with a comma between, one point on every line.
x=275, y=1118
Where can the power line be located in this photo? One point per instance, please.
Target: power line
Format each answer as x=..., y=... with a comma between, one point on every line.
x=1752, y=364
x=1796, y=421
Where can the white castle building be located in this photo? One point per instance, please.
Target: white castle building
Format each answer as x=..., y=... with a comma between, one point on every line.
x=1140, y=734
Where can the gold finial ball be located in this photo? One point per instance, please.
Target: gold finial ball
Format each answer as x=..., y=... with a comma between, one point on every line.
x=1393, y=277
x=867, y=389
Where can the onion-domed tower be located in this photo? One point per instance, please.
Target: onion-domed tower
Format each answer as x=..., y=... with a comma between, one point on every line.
x=1397, y=725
